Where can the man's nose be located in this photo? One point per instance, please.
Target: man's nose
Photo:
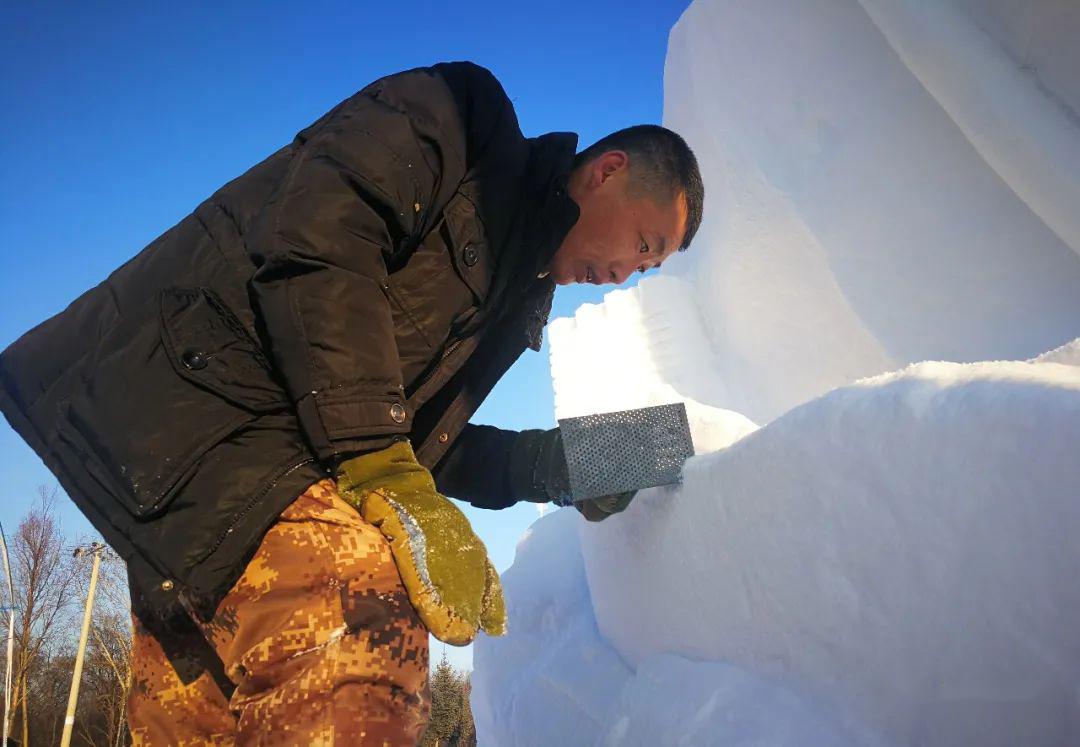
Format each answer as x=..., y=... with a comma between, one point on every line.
x=620, y=272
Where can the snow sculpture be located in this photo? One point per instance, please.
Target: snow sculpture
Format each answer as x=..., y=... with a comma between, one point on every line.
x=891, y=557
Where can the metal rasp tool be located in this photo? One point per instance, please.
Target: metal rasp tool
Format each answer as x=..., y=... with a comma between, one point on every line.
x=614, y=452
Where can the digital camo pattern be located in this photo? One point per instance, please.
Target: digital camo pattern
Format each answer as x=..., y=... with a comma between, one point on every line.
x=318, y=637
x=175, y=698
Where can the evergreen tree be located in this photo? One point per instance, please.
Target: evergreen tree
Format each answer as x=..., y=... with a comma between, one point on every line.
x=466, y=727
x=445, y=705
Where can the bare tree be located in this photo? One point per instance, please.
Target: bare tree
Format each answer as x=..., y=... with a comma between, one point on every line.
x=50, y=588
x=107, y=671
x=44, y=573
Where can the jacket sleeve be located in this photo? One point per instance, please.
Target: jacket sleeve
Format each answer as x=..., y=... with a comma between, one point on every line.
x=363, y=185
x=491, y=468
x=476, y=467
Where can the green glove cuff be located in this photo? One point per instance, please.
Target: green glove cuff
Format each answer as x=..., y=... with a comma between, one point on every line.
x=396, y=462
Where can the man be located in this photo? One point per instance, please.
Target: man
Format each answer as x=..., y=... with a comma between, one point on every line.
x=263, y=409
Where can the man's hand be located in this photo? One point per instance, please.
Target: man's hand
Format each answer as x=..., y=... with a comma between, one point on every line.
x=443, y=564
x=598, y=509
x=550, y=480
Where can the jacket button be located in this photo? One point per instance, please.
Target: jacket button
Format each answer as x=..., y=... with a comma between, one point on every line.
x=193, y=359
x=444, y=437
x=470, y=255
x=166, y=585
x=397, y=413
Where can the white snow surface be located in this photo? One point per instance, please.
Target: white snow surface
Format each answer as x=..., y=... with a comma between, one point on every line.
x=889, y=251
x=1069, y=353
x=892, y=563
x=851, y=224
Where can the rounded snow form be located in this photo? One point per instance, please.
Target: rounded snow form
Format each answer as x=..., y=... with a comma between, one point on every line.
x=890, y=247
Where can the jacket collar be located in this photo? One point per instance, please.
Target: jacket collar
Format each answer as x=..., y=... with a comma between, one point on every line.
x=547, y=214
x=550, y=164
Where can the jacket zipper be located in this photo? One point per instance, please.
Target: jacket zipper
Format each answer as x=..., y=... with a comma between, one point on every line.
x=436, y=368
x=254, y=500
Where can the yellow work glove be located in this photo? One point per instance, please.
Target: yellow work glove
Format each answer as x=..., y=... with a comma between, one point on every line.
x=443, y=564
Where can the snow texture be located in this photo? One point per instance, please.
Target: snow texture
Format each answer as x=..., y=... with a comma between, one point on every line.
x=891, y=557
x=851, y=226
x=1069, y=354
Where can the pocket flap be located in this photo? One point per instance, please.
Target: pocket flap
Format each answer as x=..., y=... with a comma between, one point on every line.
x=469, y=246
x=162, y=391
x=210, y=347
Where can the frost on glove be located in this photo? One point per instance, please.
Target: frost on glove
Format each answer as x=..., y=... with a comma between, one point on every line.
x=443, y=564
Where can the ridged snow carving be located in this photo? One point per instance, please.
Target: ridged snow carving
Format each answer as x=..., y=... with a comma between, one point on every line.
x=891, y=557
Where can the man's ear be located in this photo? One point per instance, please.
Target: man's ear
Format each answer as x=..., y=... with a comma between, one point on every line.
x=610, y=163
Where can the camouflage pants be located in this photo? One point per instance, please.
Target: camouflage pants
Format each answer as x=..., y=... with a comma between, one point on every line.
x=317, y=644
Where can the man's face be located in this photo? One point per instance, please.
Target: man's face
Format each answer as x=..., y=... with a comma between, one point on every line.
x=617, y=232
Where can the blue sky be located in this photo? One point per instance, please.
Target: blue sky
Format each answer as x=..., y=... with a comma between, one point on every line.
x=121, y=117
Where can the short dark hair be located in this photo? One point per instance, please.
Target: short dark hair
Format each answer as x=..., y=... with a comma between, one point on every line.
x=661, y=166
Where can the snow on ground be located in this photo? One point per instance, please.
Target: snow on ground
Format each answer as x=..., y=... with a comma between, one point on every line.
x=891, y=557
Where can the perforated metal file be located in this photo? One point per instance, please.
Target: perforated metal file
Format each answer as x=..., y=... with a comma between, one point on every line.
x=618, y=451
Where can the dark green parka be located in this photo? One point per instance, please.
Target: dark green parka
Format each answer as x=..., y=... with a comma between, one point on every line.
x=373, y=278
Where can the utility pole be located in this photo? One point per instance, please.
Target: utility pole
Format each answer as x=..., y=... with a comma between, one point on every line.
x=96, y=548
x=10, y=636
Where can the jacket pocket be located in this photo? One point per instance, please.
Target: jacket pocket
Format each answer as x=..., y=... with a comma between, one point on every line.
x=469, y=250
x=163, y=391
x=426, y=295
x=429, y=299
